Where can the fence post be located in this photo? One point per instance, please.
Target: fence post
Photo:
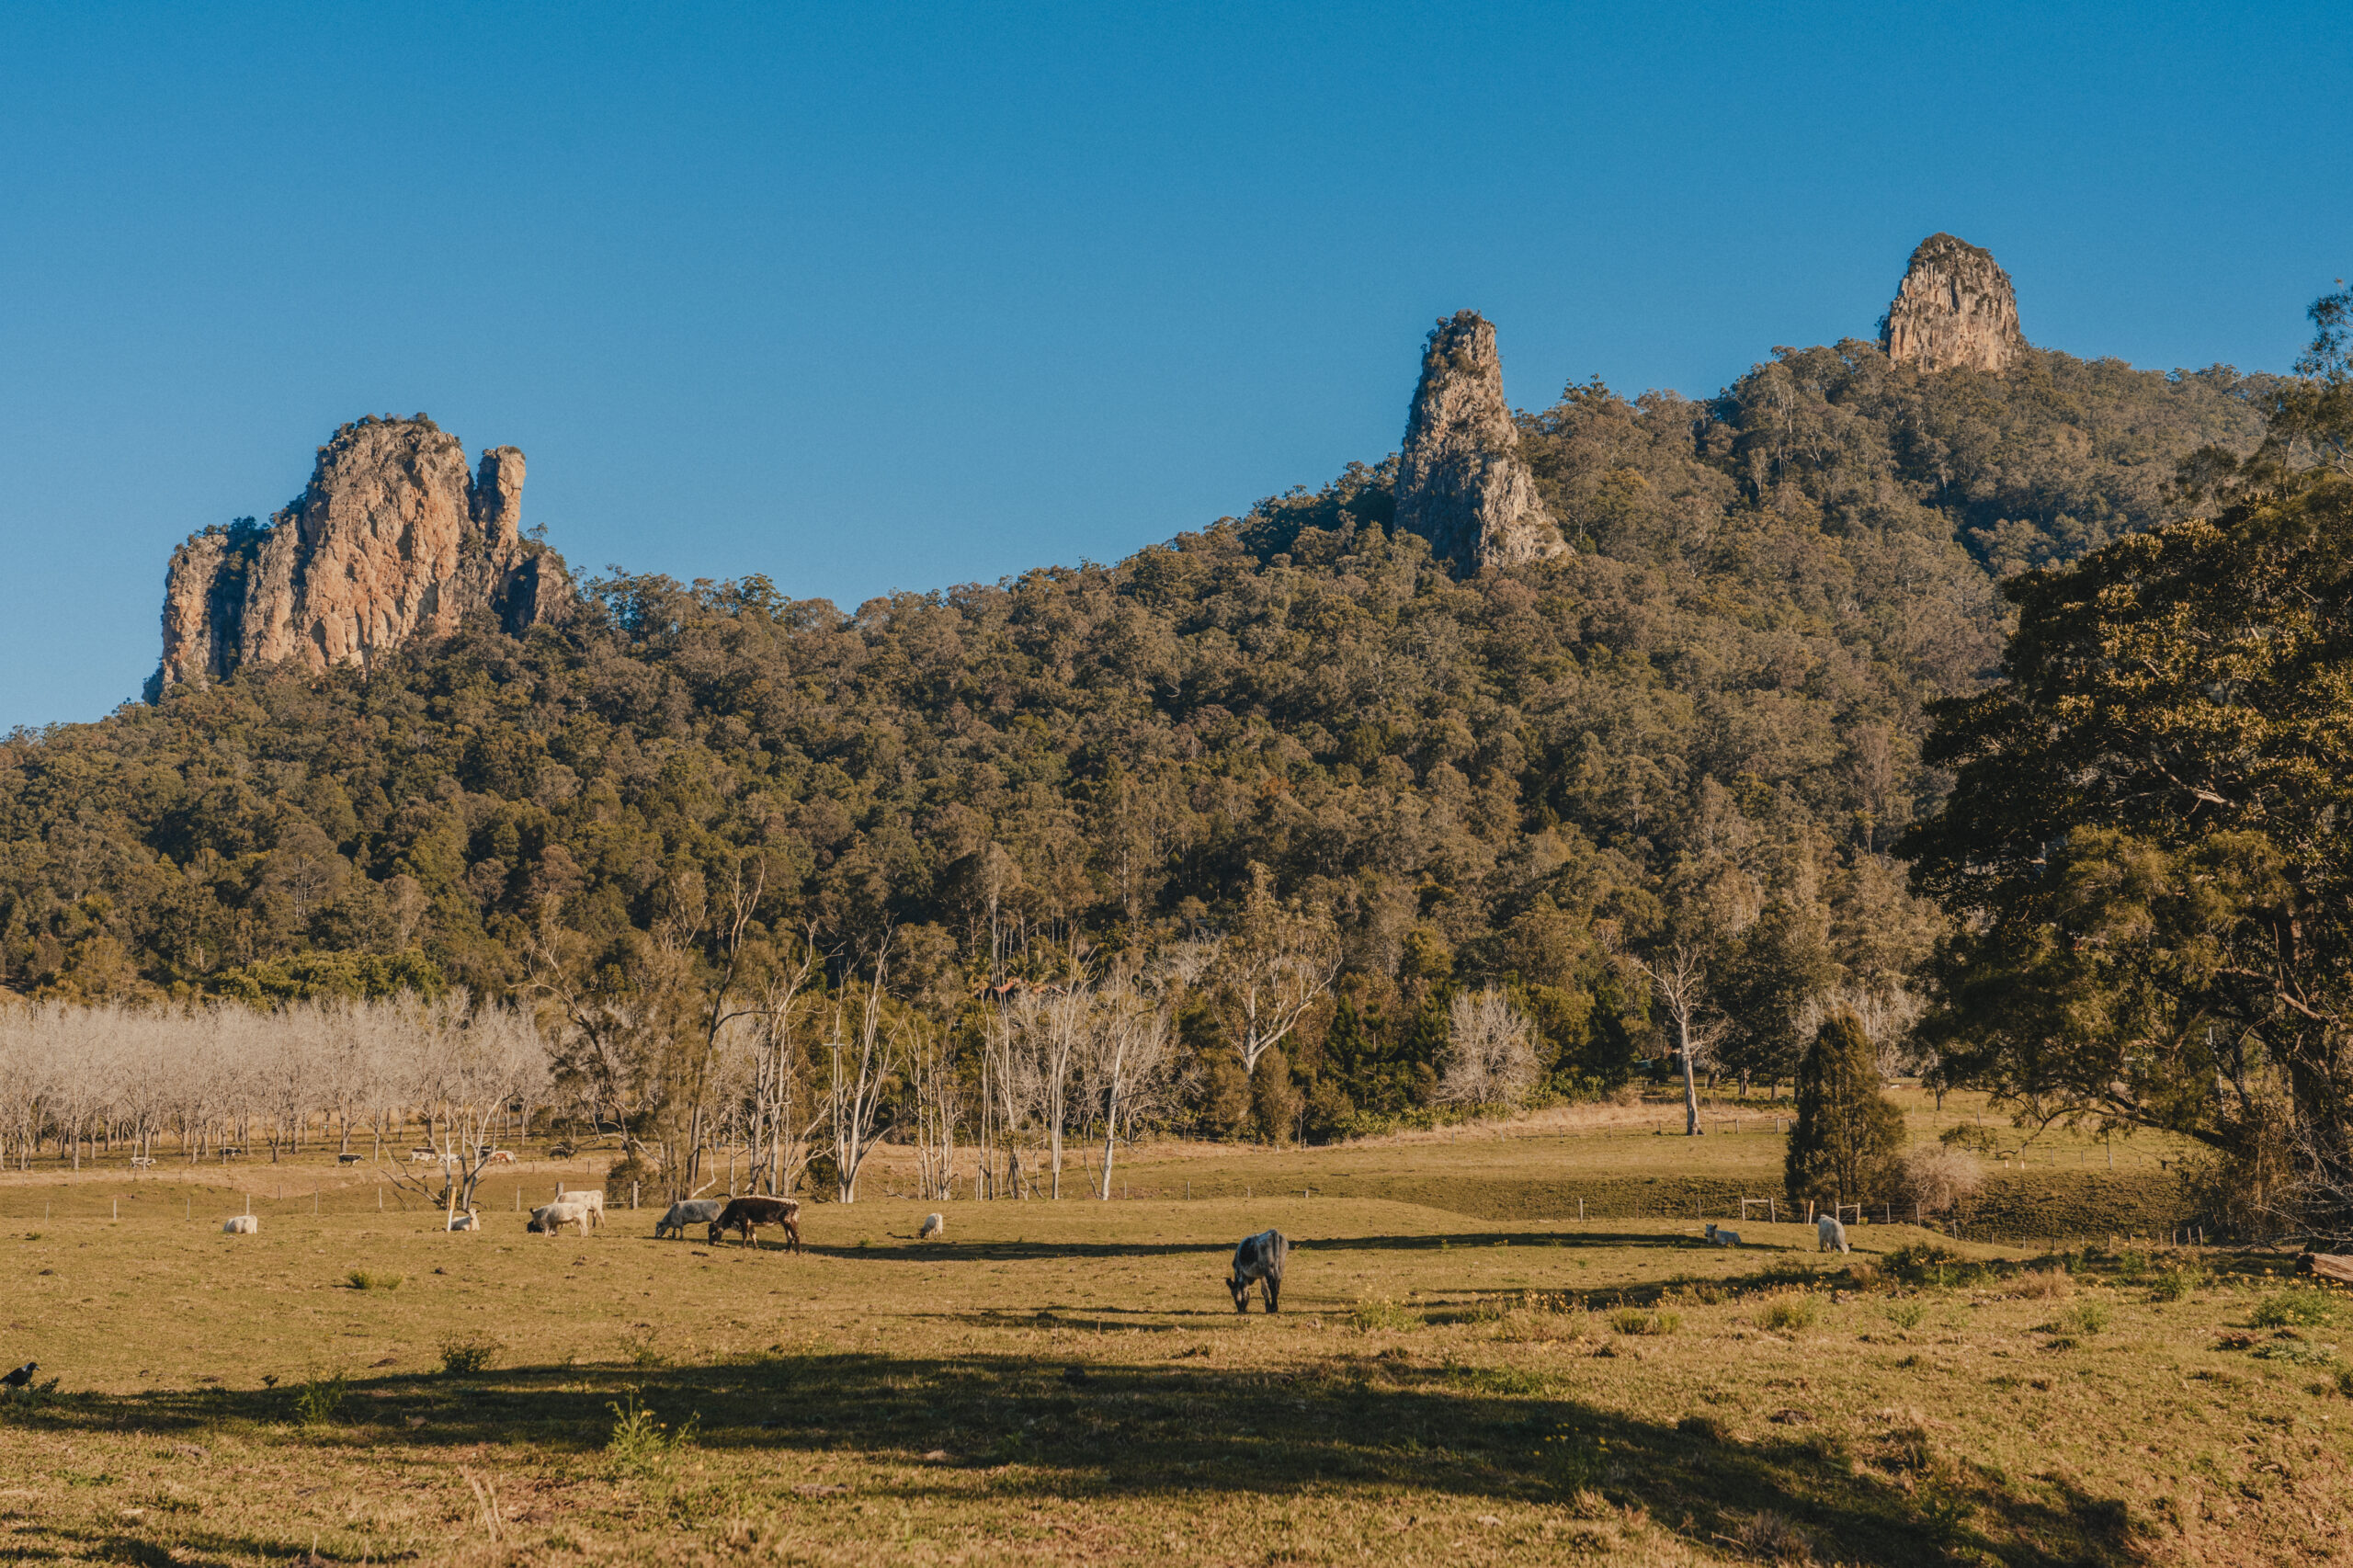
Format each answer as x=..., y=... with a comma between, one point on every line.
x=632, y=1195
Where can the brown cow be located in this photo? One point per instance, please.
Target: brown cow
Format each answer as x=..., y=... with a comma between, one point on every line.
x=747, y=1215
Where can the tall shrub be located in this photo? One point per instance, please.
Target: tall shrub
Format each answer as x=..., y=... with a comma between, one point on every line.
x=1844, y=1142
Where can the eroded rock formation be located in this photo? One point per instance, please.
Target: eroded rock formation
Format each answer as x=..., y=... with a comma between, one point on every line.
x=392, y=538
x=1460, y=482
x=1954, y=307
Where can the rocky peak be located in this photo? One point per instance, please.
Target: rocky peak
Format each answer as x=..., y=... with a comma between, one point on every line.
x=394, y=537
x=1460, y=482
x=1954, y=307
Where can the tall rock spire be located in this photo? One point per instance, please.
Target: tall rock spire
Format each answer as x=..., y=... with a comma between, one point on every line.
x=391, y=538
x=1460, y=482
x=1954, y=307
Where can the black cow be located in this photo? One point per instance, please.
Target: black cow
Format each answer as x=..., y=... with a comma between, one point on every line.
x=1259, y=1257
x=747, y=1215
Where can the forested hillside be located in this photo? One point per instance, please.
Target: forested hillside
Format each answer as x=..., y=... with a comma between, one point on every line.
x=1702, y=725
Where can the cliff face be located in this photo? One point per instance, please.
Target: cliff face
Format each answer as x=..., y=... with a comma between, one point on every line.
x=1954, y=307
x=1460, y=482
x=392, y=538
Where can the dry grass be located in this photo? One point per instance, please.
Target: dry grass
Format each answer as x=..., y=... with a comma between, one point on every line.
x=1069, y=1383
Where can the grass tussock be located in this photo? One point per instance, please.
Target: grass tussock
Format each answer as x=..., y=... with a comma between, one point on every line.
x=463, y=1357
x=2050, y=1284
x=370, y=1279
x=1785, y=1311
x=1769, y=1536
x=1634, y=1321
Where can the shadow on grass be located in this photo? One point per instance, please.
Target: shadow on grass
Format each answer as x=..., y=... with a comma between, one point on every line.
x=1539, y=1242
x=1113, y=1429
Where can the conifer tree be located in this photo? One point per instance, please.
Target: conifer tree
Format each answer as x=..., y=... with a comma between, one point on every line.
x=1847, y=1132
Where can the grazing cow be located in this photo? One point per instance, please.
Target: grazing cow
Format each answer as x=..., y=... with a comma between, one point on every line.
x=934, y=1227
x=590, y=1199
x=550, y=1219
x=747, y=1215
x=1828, y=1232
x=1259, y=1257
x=467, y=1221
x=502, y=1156
x=424, y=1156
x=687, y=1211
x=242, y=1225
x=349, y=1159
x=1722, y=1238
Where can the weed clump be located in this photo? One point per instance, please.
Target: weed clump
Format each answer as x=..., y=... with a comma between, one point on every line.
x=1907, y=1314
x=2299, y=1306
x=319, y=1396
x=465, y=1358
x=2086, y=1319
x=1925, y=1262
x=1788, y=1310
x=2175, y=1283
x=363, y=1279
x=641, y=1444
x=1633, y=1320
x=1384, y=1314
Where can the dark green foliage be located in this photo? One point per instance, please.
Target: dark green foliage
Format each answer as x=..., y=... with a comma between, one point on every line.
x=2147, y=841
x=1846, y=1132
x=1722, y=698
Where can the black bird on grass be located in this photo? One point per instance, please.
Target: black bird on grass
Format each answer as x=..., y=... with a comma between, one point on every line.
x=21, y=1376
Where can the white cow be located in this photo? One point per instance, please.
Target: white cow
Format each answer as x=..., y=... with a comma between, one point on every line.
x=934, y=1227
x=1828, y=1232
x=242, y=1225
x=592, y=1200
x=467, y=1221
x=552, y=1218
x=1722, y=1238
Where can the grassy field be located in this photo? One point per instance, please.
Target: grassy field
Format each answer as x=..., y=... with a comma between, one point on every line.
x=1067, y=1382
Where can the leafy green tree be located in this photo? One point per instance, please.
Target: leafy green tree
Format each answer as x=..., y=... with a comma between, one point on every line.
x=1846, y=1132
x=2146, y=844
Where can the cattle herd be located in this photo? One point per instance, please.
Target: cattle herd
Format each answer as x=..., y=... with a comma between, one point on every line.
x=1257, y=1260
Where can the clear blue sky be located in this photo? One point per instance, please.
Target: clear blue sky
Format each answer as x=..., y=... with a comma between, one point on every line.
x=865, y=297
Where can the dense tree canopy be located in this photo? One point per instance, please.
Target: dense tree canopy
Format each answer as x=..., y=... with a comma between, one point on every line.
x=2147, y=839
x=1704, y=725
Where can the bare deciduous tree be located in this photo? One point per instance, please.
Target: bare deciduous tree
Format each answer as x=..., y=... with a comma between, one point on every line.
x=1679, y=979
x=1490, y=1060
x=1272, y=968
x=858, y=1072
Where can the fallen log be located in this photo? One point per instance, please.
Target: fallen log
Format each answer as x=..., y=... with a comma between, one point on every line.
x=2327, y=1265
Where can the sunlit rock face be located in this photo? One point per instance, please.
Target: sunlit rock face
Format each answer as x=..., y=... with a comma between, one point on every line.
x=1954, y=308
x=394, y=537
x=1460, y=482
